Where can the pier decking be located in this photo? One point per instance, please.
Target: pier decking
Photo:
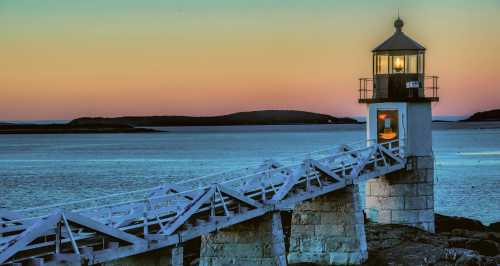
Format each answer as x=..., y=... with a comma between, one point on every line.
x=174, y=213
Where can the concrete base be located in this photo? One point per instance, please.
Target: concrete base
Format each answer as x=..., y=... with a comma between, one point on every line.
x=256, y=242
x=405, y=197
x=329, y=230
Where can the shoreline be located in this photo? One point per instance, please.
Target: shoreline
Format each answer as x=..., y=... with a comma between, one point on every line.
x=71, y=129
x=14, y=129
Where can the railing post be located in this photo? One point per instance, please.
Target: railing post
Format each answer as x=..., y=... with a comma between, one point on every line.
x=360, y=88
x=146, y=226
x=58, y=237
x=436, y=87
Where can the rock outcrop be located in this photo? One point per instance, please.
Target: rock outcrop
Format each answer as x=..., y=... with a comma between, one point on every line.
x=448, y=223
x=458, y=241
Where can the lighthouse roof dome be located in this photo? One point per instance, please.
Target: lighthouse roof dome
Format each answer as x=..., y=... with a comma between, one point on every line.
x=399, y=41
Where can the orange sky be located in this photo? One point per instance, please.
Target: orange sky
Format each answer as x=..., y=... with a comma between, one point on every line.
x=66, y=59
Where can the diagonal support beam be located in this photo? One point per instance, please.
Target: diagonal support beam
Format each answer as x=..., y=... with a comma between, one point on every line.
x=236, y=195
x=323, y=169
x=390, y=154
x=25, y=238
x=189, y=211
x=289, y=184
x=362, y=161
x=352, y=152
x=224, y=205
x=103, y=229
x=70, y=235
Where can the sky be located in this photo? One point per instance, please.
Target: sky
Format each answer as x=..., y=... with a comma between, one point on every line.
x=67, y=59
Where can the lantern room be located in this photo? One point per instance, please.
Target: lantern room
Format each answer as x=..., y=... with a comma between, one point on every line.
x=398, y=72
x=399, y=95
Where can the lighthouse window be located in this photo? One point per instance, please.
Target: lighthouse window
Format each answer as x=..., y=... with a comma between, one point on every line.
x=421, y=63
x=381, y=64
x=411, y=64
x=387, y=125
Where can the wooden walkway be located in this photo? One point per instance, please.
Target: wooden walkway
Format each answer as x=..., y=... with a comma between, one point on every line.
x=171, y=214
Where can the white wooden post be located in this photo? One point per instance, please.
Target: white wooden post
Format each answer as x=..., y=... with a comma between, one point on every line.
x=58, y=237
x=177, y=256
x=278, y=240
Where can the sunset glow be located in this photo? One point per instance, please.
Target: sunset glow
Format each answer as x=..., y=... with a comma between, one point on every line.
x=67, y=59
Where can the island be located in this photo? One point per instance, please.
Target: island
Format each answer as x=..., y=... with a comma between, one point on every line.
x=137, y=124
x=490, y=115
x=265, y=117
x=69, y=128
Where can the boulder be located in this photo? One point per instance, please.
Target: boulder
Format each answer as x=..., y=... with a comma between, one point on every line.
x=448, y=223
x=488, y=261
x=457, y=242
x=453, y=254
x=497, y=259
x=495, y=227
x=484, y=247
x=473, y=260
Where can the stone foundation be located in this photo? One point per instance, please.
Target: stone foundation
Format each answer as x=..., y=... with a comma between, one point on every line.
x=256, y=242
x=404, y=197
x=159, y=257
x=329, y=230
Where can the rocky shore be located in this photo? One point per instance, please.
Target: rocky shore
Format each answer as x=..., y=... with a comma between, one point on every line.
x=457, y=241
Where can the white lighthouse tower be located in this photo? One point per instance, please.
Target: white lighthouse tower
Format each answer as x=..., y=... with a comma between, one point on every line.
x=399, y=98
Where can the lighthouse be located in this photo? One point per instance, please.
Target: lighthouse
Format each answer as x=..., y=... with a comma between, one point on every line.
x=399, y=99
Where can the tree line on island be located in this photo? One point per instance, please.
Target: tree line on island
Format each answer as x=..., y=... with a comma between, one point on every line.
x=136, y=124
x=265, y=117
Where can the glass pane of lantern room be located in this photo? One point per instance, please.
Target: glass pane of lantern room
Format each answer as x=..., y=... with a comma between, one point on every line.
x=421, y=63
x=382, y=64
x=398, y=64
x=411, y=64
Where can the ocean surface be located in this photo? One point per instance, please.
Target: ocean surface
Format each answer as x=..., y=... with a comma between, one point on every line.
x=45, y=169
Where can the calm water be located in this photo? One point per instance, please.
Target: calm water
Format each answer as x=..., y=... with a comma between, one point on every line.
x=44, y=169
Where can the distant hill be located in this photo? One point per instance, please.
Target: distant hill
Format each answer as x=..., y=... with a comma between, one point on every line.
x=491, y=115
x=266, y=117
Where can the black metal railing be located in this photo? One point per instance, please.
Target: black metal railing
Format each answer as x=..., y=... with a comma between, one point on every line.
x=429, y=92
x=366, y=89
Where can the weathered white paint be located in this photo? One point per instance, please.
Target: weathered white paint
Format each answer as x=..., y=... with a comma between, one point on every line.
x=419, y=137
x=406, y=196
